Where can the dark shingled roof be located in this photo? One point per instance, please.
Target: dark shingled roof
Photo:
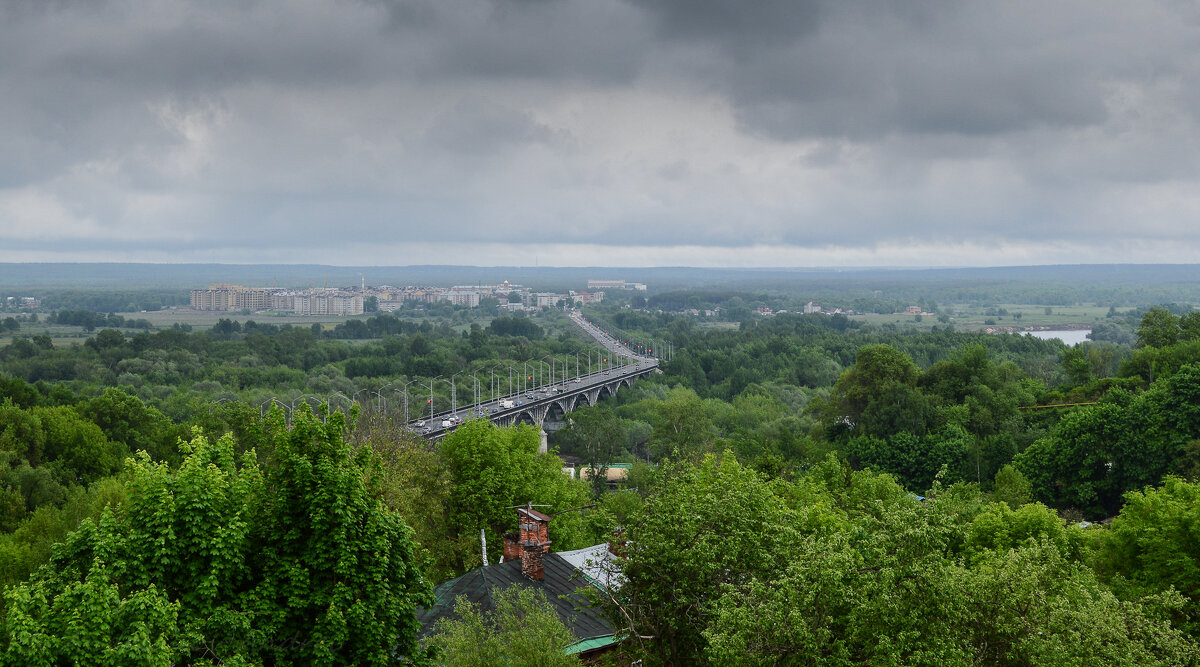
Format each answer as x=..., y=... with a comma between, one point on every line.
x=560, y=585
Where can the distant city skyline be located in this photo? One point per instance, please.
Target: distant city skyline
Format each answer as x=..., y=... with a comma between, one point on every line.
x=632, y=133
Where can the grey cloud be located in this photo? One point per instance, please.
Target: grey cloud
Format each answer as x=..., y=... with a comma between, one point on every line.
x=480, y=126
x=863, y=70
x=853, y=123
x=598, y=41
x=739, y=27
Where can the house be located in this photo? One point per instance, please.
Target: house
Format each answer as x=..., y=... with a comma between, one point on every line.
x=528, y=562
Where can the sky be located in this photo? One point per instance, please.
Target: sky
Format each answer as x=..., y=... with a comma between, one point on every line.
x=752, y=133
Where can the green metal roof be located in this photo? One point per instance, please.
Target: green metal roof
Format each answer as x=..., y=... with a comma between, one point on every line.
x=591, y=643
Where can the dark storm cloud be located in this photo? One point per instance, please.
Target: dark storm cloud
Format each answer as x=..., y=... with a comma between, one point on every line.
x=862, y=69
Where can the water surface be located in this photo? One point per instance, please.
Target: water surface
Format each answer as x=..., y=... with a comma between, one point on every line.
x=1070, y=337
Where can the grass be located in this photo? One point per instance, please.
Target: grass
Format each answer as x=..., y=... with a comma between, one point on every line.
x=968, y=318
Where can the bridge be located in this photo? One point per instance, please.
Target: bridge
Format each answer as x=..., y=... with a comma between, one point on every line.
x=545, y=406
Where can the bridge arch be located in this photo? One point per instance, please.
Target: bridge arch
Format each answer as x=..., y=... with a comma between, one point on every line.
x=570, y=403
x=556, y=411
x=523, y=417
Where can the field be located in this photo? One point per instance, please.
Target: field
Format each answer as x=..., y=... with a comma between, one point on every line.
x=965, y=318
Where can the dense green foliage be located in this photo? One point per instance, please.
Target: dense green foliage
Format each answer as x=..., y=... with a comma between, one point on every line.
x=224, y=563
x=523, y=629
x=844, y=567
x=181, y=372
x=800, y=489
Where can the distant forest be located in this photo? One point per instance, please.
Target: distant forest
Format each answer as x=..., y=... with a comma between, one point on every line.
x=134, y=287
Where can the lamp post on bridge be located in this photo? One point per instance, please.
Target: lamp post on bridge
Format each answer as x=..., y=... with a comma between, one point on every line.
x=379, y=397
x=299, y=399
x=354, y=397
x=454, y=394
x=510, y=380
x=477, y=396
x=405, y=390
x=349, y=402
x=431, y=397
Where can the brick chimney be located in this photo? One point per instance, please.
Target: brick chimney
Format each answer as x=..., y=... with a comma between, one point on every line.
x=512, y=547
x=534, y=541
x=616, y=542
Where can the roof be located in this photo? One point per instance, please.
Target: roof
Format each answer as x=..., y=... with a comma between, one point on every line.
x=590, y=644
x=534, y=514
x=561, y=586
x=595, y=563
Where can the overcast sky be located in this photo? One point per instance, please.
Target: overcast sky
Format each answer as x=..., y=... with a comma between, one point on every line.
x=601, y=132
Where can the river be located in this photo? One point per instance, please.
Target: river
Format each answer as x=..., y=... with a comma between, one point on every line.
x=1069, y=336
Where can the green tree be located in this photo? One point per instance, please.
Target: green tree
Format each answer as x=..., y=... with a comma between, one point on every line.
x=126, y=419
x=876, y=368
x=413, y=482
x=1189, y=325
x=220, y=563
x=912, y=459
x=682, y=426
x=1159, y=328
x=597, y=435
x=1076, y=365
x=21, y=433
x=700, y=528
x=1070, y=467
x=1155, y=540
x=522, y=629
x=334, y=565
x=884, y=583
x=77, y=446
x=1011, y=487
x=493, y=469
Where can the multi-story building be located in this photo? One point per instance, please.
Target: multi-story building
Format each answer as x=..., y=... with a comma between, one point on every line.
x=328, y=302
x=460, y=297
x=615, y=284
x=588, y=297
x=231, y=297
x=606, y=284
x=549, y=299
